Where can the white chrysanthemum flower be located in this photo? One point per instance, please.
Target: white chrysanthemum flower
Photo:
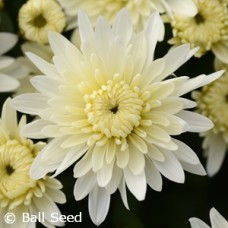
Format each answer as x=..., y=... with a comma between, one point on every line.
x=9, y=68
x=18, y=192
x=217, y=221
x=139, y=10
x=37, y=17
x=213, y=102
x=207, y=30
x=109, y=107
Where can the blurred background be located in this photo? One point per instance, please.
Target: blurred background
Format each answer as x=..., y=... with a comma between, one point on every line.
x=176, y=203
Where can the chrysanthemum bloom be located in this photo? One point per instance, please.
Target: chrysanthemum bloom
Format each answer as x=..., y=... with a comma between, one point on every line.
x=37, y=17
x=217, y=221
x=108, y=107
x=18, y=192
x=208, y=29
x=8, y=65
x=139, y=10
x=213, y=102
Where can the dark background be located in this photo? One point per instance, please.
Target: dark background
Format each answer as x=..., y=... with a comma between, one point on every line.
x=176, y=203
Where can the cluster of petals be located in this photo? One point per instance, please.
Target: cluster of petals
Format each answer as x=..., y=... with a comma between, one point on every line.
x=110, y=108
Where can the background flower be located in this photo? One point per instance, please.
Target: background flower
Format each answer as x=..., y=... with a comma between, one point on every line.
x=212, y=102
x=139, y=10
x=208, y=29
x=18, y=192
x=36, y=18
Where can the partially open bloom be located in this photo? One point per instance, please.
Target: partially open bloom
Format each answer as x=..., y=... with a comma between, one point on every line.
x=108, y=107
x=139, y=10
x=213, y=102
x=18, y=192
x=8, y=65
x=208, y=29
x=217, y=221
x=37, y=17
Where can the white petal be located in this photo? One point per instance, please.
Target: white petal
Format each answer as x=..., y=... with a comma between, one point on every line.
x=197, y=223
x=171, y=168
x=104, y=175
x=122, y=157
x=117, y=174
x=154, y=31
x=56, y=195
x=34, y=129
x=136, y=184
x=48, y=159
x=37, y=170
x=153, y=177
x=196, y=122
x=6, y=62
x=30, y=103
x=72, y=156
x=46, y=205
x=138, y=143
x=85, y=28
x=186, y=8
x=84, y=165
x=185, y=153
x=122, y=25
x=8, y=83
x=180, y=54
x=216, y=154
x=99, y=200
x=47, y=68
x=84, y=185
x=9, y=118
x=123, y=193
x=195, y=169
x=136, y=160
x=98, y=157
x=8, y=40
x=196, y=82
x=45, y=85
x=217, y=220
x=221, y=51
x=154, y=153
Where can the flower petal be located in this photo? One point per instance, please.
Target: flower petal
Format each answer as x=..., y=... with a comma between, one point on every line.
x=136, y=183
x=84, y=185
x=171, y=168
x=153, y=177
x=8, y=83
x=217, y=220
x=99, y=200
x=216, y=154
x=8, y=40
x=196, y=122
x=197, y=223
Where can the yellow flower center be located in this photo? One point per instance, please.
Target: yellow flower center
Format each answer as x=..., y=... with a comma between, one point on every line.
x=16, y=186
x=39, y=21
x=213, y=103
x=114, y=109
x=209, y=26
